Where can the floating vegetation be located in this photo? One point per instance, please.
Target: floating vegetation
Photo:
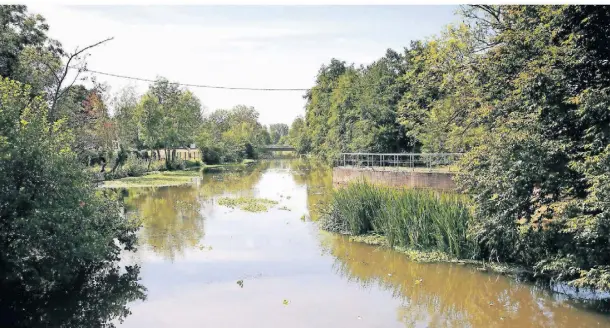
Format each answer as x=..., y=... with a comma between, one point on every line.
x=284, y=208
x=248, y=204
x=303, y=217
x=285, y=302
x=240, y=283
x=188, y=206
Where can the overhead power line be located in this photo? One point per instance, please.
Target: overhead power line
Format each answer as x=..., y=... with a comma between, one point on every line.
x=196, y=85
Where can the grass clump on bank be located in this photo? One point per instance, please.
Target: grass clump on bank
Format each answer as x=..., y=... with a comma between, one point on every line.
x=406, y=218
x=247, y=203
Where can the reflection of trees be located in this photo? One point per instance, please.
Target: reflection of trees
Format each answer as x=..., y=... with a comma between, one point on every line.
x=450, y=295
x=97, y=297
x=318, y=177
x=171, y=217
x=236, y=182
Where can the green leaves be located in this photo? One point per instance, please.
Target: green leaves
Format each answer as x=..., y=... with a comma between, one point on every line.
x=524, y=92
x=354, y=109
x=62, y=238
x=231, y=135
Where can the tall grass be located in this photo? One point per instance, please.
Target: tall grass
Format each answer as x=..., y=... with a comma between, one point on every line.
x=417, y=219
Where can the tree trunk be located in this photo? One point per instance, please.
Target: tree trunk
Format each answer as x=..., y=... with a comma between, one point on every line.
x=103, y=165
x=116, y=165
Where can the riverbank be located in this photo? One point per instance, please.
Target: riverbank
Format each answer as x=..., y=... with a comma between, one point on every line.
x=426, y=226
x=227, y=166
x=154, y=179
x=173, y=178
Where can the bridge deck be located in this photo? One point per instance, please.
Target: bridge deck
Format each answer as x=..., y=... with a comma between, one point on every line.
x=279, y=148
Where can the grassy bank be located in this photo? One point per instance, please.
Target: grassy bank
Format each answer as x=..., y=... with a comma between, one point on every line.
x=183, y=175
x=154, y=179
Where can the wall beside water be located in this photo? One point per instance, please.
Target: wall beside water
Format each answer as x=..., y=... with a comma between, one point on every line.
x=410, y=179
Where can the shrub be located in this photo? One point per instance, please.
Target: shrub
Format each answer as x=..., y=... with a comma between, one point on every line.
x=176, y=164
x=157, y=166
x=62, y=240
x=193, y=163
x=135, y=167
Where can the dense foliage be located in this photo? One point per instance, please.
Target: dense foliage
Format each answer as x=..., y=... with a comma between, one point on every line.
x=278, y=132
x=524, y=91
x=297, y=136
x=60, y=239
x=354, y=109
x=540, y=173
x=231, y=135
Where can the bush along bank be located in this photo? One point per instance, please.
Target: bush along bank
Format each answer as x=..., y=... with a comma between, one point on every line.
x=425, y=225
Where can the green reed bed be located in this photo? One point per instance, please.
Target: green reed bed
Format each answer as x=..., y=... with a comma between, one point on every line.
x=407, y=218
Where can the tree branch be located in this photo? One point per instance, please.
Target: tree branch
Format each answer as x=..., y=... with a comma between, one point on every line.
x=490, y=10
x=57, y=92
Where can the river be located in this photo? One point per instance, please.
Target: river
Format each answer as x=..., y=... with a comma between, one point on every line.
x=208, y=265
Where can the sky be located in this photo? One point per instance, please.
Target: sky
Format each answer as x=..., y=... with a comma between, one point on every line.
x=238, y=46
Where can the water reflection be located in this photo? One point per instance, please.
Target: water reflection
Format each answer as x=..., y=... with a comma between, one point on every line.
x=443, y=295
x=171, y=218
x=318, y=178
x=277, y=257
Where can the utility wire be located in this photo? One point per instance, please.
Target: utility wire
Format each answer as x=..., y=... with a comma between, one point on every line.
x=196, y=85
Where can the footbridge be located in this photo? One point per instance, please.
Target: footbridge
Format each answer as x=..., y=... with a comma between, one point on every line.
x=279, y=148
x=413, y=170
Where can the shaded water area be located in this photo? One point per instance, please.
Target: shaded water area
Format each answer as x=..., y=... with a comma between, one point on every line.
x=208, y=265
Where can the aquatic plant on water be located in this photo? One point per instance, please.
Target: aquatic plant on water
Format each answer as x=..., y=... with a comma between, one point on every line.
x=248, y=204
x=406, y=218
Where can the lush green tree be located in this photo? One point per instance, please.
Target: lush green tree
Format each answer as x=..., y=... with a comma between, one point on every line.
x=356, y=109
x=61, y=238
x=231, y=135
x=374, y=121
x=297, y=135
x=277, y=131
x=317, y=112
x=170, y=117
x=85, y=113
x=23, y=32
x=540, y=174
x=443, y=109
x=128, y=119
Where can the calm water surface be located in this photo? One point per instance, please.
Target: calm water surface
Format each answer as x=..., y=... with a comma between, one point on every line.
x=193, y=251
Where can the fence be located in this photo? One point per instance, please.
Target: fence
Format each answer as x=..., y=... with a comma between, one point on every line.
x=445, y=162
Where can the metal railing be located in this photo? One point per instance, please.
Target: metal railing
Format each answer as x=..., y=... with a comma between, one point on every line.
x=400, y=161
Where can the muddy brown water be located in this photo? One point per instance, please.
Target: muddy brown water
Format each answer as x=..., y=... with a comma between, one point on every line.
x=193, y=253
